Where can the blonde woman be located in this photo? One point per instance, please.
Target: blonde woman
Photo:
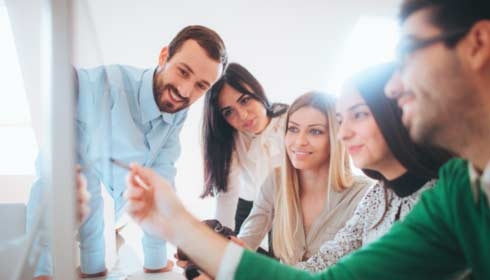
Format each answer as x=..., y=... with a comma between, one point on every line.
x=315, y=195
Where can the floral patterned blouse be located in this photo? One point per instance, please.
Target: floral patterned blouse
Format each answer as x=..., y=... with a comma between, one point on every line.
x=377, y=211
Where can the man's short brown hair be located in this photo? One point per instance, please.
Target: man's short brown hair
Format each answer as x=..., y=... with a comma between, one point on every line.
x=207, y=38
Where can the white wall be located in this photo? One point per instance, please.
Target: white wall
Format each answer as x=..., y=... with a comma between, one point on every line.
x=291, y=46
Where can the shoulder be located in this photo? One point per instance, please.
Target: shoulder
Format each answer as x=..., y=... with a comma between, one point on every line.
x=373, y=203
x=450, y=195
x=278, y=124
x=126, y=72
x=374, y=195
x=453, y=182
x=362, y=183
x=114, y=73
x=454, y=168
x=375, y=190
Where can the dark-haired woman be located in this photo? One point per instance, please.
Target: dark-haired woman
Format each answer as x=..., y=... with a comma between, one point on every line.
x=243, y=139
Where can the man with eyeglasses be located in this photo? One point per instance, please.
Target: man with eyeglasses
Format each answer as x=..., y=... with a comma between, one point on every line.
x=443, y=88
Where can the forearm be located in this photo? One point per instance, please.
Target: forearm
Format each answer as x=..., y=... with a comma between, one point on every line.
x=255, y=266
x=92, y=243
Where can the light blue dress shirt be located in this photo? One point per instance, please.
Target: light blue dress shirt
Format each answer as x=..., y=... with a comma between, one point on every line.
x=117, y=117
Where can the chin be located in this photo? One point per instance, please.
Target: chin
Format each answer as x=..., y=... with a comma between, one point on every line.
x=359, y=164
x=303, y=166
x=417, y=131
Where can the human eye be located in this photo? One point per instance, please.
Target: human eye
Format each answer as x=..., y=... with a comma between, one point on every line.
x=184, y=73
x=202, y=86
x=227, y=113
x=316, y=131
x=245, y=100
x=360, y=115
x=292, y=129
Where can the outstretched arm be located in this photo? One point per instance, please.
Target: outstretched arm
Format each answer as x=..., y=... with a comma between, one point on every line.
x=159, y=212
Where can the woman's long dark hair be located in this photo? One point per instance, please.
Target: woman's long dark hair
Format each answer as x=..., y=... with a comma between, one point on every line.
x=421, y=160
x=218, y=135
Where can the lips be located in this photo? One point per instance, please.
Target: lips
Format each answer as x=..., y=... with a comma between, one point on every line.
x=249, y=124
x=174, y=97
x=404, y=100
x=301, y=154
x=354, y=149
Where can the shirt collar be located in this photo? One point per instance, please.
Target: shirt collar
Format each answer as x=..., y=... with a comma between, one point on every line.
x=479, y=180
x=148, y=106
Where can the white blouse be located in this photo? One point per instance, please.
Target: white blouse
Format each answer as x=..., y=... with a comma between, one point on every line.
x=378, y=210
x=253, y=159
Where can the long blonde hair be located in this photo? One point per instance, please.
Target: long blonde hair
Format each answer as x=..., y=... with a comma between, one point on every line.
x=288, y=214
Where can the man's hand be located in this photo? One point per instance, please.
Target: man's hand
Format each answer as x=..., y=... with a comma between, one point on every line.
x=155, y=206
x=83, y=197
x=43, y=277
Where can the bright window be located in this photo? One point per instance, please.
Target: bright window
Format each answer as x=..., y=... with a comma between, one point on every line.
x=372, y=41
x=18, y=147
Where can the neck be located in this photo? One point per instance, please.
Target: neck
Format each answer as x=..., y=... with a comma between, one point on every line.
x=391, y=169
x=470, y=141
x=313, y=181
x=473, y=144
x=265, y=125
x=477, y=151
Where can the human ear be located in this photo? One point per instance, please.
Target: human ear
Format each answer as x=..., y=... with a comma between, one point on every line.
x=163, y=56
x=478, y=45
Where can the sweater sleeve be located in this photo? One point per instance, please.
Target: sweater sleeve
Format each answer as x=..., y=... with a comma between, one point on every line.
x=259, y=221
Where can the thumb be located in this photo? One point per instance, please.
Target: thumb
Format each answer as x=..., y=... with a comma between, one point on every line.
x=144, y=173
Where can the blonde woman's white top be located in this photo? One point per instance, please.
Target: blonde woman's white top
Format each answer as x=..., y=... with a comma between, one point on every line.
x=378, y=210
x=254, y=158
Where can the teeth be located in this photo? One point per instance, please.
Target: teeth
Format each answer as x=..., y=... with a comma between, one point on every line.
x=301, y=153
x=174, y=96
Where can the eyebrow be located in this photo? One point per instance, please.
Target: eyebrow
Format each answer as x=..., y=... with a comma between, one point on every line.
x=315, y=124
x=241, y=97
x=188, y=68
x=355, y=106
x=221, y=110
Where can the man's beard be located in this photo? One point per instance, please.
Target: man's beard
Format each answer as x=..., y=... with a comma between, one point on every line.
x=166, y=105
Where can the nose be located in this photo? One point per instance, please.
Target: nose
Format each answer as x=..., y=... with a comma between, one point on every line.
x=242, y=113
x=301, y=139
x=344, y=132
x=394, y=88
x=185, y=89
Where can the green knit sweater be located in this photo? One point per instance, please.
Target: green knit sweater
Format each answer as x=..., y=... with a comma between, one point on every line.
x=446, y=233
